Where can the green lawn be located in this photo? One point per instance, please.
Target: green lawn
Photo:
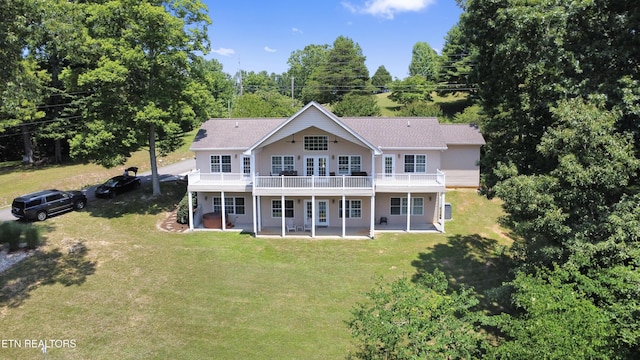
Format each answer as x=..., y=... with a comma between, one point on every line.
x=131, y=291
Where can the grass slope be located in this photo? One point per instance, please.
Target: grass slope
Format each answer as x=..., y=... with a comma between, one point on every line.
x=131, y=291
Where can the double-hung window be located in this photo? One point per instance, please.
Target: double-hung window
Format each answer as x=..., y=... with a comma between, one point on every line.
x=415, y=163
x=220, y=163
x=353, y=209
x=232, y=205
x=276, y=208
x=399, y=206
x=281, y=163
x=348, y=164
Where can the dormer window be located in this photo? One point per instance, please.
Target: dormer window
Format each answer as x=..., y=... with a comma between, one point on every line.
x=316, y=143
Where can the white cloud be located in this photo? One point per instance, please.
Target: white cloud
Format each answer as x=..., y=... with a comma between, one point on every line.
x=268, y=49
x=296, y=30
x=224, y=51
x=388, y=8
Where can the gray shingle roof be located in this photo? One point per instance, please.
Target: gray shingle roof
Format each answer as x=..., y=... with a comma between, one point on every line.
x=398, y=132
x=417, y=133
x=462, y=134
x=224, y=134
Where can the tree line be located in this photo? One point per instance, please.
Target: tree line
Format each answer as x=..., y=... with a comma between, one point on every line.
x=95, y=81
x=557, y=82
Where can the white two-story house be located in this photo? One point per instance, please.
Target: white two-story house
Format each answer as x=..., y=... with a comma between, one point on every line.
x=315, y=174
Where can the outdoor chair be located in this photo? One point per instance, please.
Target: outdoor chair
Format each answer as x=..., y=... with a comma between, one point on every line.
x=290, y=225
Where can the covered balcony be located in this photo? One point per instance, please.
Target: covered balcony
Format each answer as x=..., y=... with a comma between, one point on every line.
x=320, y=185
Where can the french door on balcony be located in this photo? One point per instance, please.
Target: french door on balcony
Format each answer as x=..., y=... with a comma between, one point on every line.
x=322, y=211
x=388, y=165
x=316, y=165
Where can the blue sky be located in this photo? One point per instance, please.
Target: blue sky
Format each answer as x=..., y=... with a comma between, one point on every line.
x=257, y=35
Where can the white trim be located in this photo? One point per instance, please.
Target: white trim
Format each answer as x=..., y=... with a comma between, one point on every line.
x=316, y=165
x=384, y=165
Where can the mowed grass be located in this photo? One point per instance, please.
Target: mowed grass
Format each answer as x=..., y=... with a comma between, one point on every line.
x=110, y=280
x=17, y=179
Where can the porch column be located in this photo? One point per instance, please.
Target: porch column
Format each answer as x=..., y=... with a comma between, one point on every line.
x=408, y=211
x=313, y=216
x=252, y=167
x=282, y=224
x=373, y=168
x=442, y=210
x=259, y=206
x=224, y=211
x=190, y=210
x=255, y=214
x=344, y=217
x=372, y=221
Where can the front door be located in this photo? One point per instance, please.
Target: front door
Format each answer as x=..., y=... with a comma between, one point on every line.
x=316, y=165
x=322, y=212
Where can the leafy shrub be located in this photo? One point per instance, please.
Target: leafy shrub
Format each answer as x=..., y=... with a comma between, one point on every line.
x=357, y=105
x=10, y=232
x=420, y=109
x=183, y=208
x=32, y=237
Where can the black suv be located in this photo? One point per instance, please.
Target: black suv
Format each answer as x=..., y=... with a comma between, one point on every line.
x=42, y=204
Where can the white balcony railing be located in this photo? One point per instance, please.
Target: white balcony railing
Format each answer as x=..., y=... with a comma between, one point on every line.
x=314, y=182
x=200, y=178
x=411, y=179
x=317, y=182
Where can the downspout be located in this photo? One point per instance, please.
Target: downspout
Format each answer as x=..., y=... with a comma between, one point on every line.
x=190, y=200
x=408, y=211
x=344, y=217
x=224, y=211
x=442, y=211
x=282, y=212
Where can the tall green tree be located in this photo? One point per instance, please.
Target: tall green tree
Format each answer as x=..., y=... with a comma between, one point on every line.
x=381, y=78
x=14, y=28
x=533, y=54
x=21, y=78
x=53, y=43
x=424, y=62
x=456, y=63
x=303, y=62
x=264, y=104
x=211, y=88
x=558, y=82
x=411, y=89
x=137, y=69
x=343, y=72
x=21, y=97
x=258, y=81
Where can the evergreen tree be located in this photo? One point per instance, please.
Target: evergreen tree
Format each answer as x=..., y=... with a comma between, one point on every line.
x=343, y=72
x=381, y=79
